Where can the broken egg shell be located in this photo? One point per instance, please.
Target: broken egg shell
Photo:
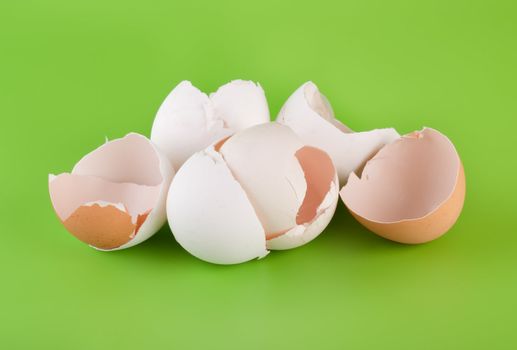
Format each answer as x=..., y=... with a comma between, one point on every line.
x=217, y=203
x=412, y=191
x=210, y=214
x=284, y=180
x=114, y=198
x=189, y=120
x=310, y=115
x=304, y=233
x=240, y=104
x=276, y=195
x=89, y=222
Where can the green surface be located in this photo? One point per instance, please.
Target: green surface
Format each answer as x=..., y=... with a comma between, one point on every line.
x=73, y=72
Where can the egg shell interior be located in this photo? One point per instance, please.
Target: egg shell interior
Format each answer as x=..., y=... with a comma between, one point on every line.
x=319, y=174
x=403, y=191
x=110, y=193
x=406, y=180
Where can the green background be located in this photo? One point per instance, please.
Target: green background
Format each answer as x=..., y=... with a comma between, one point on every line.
x=74, y=72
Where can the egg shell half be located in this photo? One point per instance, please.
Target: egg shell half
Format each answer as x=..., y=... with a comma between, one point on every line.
x=210, y=214
x=412, y=191
x=115, y=196
x=309, y=114
x=189, y=120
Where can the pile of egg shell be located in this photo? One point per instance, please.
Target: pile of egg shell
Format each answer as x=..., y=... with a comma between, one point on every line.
x=234, y=185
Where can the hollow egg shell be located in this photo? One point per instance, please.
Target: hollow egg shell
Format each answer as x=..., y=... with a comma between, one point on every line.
x=210, y=214
x=189, y=120
x=115, y=196
x=257, y=190
x=412, y=191
x=308, y=112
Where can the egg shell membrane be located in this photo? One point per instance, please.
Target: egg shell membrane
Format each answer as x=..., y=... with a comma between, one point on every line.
x=310, y=116
x=189, y=120
x=131, y=159
x=412, y=191
x=318, y=173
x=110, y=192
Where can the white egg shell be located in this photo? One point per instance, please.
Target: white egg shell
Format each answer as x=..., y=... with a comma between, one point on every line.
x=115, y=196
x=189, y=120
x=261, y=185
x=262, y=161
x=311, y=117
x=240, y=104
x=304, y=233
x=210, y=214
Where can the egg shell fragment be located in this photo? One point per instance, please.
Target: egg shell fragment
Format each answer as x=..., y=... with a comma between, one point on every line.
x=277, y=195
x=210, y=214
x=310, y=115
x=319, y=203
x=240, y=104
x=189, y=120
x=261, y=183
x=412, y=191
x=306, y=232
x=114, y=198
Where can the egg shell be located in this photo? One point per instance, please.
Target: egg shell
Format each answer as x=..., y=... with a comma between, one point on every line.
x=115, y=196
x=412, y=191
x=276, y=195
x=240, y=104
x=189, y=120
x=260, y=184
x=210, y=214
x=286, y=182
x=304, y=233
x=311, y=117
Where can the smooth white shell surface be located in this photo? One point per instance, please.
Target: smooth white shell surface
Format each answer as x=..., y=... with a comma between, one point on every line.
x=210, y=214
x=189, y=121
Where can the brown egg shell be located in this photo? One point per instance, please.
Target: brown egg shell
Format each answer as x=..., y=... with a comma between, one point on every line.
x=104, y=227
x=421, y=204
